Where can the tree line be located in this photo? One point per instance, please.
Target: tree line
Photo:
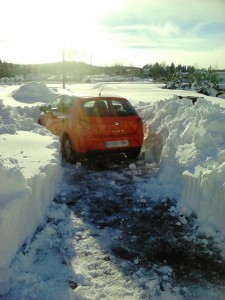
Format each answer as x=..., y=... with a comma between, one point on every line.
x=78, y=70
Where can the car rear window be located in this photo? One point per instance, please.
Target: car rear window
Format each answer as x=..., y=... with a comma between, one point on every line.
x=108, y=108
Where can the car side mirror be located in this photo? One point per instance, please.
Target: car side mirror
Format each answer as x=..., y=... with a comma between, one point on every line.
x=43, y=108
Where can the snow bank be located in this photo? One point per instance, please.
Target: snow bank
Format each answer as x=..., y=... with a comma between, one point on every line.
x=34, y=92
x=29, y=171
x=203, y=86
x=189, y=142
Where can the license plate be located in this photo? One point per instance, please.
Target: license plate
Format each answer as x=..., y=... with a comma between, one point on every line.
x=113, y=144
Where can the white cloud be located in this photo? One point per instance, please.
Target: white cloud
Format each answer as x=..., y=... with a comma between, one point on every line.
x=109, y=28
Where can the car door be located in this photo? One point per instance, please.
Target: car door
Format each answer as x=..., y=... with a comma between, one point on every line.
x=63, y=114
x=50, y=117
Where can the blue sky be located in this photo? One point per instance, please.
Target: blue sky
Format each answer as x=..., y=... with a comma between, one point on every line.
x=105, y=32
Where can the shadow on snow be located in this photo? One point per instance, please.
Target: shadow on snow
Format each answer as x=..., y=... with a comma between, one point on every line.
x=151, y=236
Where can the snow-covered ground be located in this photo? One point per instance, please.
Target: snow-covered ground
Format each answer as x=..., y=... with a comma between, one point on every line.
x=48, y=252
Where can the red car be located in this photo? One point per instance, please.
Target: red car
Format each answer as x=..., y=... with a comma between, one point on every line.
x=89, y=125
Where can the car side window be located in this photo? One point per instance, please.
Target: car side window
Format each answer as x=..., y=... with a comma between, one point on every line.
x=65, y=104
x=100, y=108
x=55, y=103
x=89, y=108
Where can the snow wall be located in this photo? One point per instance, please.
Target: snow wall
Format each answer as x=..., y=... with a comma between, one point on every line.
x=30, y=168
x=188, y=142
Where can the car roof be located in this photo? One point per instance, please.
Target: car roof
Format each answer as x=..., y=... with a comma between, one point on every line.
x=89, y=97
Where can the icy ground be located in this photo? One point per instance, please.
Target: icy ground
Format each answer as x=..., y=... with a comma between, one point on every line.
x=152, y=228
x=104, y=239
x=159, y=254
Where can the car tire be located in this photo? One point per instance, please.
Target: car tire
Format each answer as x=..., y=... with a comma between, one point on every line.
x=133, y=153
x=67, y=150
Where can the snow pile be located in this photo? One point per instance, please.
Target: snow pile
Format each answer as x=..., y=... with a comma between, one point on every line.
x=19, y=118
x=29, y=171
x=34, y=92
x=188, y=141
x=205, y=87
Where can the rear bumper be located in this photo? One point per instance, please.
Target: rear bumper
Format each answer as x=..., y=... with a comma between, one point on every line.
x=84, y=144
x=100, y=146
x=94, y=153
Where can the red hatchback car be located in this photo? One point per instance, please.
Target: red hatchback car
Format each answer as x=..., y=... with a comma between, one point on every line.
x=89, y=125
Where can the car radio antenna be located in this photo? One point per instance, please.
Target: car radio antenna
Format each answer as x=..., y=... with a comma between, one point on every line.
x=100, y=93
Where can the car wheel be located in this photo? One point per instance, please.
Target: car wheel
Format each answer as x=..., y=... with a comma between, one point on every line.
x=132, y=154
x=67, y=150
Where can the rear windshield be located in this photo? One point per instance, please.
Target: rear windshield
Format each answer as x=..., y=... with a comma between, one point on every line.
x=108, y=108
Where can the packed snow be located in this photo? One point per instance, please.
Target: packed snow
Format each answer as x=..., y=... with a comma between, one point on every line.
x=184, y=145
x=192, y=158
x=29, y=168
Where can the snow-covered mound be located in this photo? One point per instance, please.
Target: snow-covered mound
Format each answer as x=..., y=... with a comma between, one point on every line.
x=34, y=92
x=29, y=171
x=204, y=87
x=188, y=141
x=19, y=118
